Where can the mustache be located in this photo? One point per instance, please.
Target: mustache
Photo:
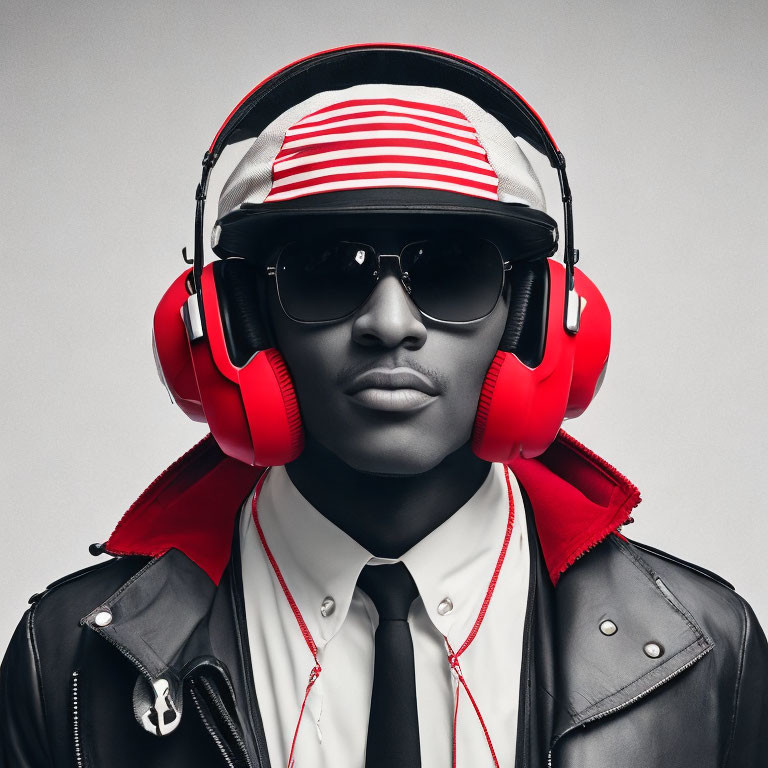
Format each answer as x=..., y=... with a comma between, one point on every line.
x=349, y=373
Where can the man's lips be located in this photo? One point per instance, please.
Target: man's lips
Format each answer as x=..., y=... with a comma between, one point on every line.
x=392, y=389
x=392, y=378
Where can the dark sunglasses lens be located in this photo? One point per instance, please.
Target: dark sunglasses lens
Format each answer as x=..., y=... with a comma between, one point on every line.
x=324, y=281
x=455, y=279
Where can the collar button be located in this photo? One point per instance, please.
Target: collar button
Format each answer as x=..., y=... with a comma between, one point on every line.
x=327, y=607
x=445, y=606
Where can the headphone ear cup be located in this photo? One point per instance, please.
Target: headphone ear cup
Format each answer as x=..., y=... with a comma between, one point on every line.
x=250, y=403
x=524, y=394
x=524, y=399
x=233, y=378
x=171, y=349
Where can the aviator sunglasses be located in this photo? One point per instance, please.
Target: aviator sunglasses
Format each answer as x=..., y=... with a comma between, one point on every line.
x=456, y=279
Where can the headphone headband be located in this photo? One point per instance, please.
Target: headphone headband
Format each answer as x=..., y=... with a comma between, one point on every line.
x=387, y=63
x=392, y=63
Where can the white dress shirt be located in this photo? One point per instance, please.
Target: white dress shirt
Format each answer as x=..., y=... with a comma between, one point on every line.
x=452, y=567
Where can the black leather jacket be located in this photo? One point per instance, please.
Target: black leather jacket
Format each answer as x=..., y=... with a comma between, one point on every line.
x=75, y=682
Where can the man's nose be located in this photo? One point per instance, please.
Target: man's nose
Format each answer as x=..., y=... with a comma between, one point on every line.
x=389, y=318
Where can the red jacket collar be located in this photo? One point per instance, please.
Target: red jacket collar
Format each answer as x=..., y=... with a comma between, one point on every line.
x=577, y=498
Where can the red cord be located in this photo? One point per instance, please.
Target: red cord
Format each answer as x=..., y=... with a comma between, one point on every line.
x=455, y=721
x=454, y=662
x=317, y=669
x=287, y=592
x=313, y=675
x=453, y=658
x=496, y=570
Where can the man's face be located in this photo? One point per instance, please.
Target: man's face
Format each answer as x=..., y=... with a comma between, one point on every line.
x=387, y=390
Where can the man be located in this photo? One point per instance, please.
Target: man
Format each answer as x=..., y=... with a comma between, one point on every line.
x=429, y=573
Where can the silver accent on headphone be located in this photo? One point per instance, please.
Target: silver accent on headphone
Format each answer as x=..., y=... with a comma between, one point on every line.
x=190, y=314
x=215, y=235
x=572, y=311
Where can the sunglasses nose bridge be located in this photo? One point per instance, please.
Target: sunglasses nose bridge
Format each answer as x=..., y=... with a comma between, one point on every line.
x=393, y=259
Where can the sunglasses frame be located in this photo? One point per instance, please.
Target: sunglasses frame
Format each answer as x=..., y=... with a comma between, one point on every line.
x=506, y=264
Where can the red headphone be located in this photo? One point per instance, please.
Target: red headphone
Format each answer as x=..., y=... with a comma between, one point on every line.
x=215, y=356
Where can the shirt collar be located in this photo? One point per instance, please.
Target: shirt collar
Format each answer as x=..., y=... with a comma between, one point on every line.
x=454, y=563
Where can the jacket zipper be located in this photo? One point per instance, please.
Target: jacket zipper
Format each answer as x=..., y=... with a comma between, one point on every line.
x=211, y=732
x=639, y=696
x=526, y=700
x=221, y=709
x=76, y=720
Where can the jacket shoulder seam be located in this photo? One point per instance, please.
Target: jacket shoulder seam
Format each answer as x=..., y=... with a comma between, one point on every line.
x=711, y=575
x=74, y=576
x=69, y=578
x=54, y=586
x=739, y=678
x=657, y=583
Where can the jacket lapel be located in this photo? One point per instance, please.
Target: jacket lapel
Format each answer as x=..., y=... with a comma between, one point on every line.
x=572, y=672
x=158, y=620
x=656, y=638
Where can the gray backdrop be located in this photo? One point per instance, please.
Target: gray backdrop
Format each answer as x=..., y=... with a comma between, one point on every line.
x=107, y=108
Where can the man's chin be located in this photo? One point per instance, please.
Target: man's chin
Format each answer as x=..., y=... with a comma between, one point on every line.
x=394, y=457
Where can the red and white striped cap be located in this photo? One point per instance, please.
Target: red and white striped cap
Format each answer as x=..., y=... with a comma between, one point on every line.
x=378, y=137
x=382, y=142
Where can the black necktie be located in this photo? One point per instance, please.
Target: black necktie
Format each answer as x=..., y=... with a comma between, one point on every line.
x=393, y=726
